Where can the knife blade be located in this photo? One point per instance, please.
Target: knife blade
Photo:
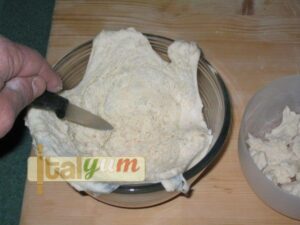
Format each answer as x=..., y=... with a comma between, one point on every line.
x=66, y=110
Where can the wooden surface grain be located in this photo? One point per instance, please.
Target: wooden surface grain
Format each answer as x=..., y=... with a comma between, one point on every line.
x=250, y=42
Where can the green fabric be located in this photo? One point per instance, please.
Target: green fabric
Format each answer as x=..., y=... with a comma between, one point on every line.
x=27, y=22
x=1, y=4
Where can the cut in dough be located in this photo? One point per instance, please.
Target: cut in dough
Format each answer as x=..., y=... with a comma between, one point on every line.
x=153, y=105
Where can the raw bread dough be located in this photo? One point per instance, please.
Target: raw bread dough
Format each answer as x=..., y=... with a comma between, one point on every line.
x=153, y=105
x=279, y=155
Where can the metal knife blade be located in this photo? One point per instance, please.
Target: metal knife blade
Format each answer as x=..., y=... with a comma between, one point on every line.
x=80, y=116
x=66, y=110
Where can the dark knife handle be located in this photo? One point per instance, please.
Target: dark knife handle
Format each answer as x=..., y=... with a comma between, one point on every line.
x=53, y=102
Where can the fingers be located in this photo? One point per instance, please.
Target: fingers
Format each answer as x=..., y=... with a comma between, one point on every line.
x=20, y=61
x=24, y=75
x=26, y=88
x=16, y=94
x=35, y=64
x=38, y=86
x=8, y=115
x=10, y=107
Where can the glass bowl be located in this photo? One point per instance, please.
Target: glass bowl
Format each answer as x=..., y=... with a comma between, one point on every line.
x=217, y=113
x=262, y=114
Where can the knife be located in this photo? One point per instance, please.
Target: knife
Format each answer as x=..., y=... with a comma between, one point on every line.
x=66, y=110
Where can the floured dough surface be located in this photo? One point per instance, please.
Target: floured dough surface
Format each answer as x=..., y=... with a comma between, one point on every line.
x=153, y=105
x=278, y=156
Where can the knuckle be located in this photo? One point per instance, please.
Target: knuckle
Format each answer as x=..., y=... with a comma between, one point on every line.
x=10, y=58
x=3, y=59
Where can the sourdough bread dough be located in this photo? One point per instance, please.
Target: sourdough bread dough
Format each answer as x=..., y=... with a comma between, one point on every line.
x=153, y=105
x=278, y=156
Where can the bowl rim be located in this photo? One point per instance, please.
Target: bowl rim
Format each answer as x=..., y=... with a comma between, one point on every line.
x=207, y=159
x=243, y=146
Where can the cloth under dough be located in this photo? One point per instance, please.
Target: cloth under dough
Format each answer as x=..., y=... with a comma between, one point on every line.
x=153, y=105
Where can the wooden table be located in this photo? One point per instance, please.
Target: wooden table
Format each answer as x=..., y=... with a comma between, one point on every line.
x=249, y=42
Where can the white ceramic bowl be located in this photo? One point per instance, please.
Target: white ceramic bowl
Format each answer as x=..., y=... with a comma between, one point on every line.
x=263, y=113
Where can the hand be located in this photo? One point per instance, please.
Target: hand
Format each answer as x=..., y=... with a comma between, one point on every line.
x=24, y=75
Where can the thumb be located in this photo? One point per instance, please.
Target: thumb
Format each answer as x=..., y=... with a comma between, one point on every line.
x=38, y=86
